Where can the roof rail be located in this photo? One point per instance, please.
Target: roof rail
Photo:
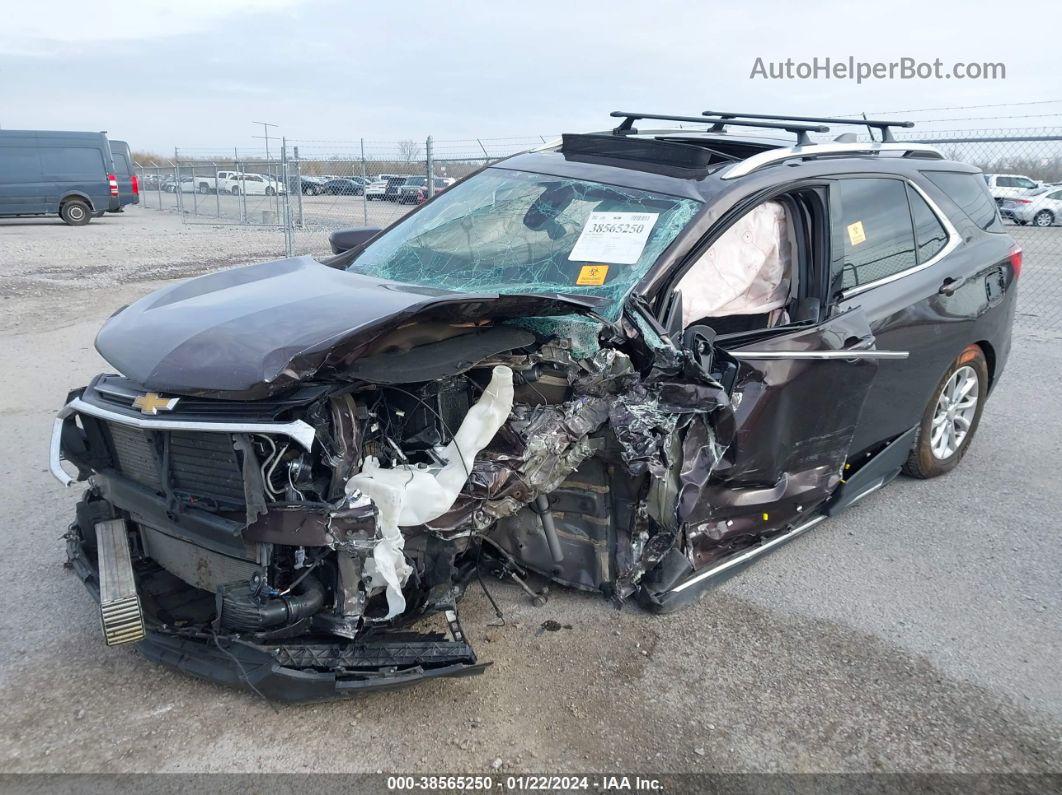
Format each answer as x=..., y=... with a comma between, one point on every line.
x=758, y=161
x=726, y=117
x=800, y=130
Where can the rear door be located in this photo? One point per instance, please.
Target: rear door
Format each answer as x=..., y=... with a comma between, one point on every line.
x=921, y=286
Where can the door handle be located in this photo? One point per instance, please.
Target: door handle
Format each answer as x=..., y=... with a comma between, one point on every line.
x=949, y=286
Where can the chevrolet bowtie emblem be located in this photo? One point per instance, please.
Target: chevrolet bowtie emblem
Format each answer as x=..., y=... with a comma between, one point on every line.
x=153, y=403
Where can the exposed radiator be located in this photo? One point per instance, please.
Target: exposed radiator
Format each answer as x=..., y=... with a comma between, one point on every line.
x=136, y=457
x=203, y=465
x=199, y=567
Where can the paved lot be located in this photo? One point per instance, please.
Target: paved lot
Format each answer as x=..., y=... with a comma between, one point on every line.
x=919, y=631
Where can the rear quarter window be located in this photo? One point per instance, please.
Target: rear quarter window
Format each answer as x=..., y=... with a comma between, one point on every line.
x=971, y=194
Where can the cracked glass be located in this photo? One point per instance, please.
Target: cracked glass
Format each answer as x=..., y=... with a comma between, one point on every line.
x=514, y=232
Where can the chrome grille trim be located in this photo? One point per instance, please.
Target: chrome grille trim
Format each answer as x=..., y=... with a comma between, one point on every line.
x=301, y=432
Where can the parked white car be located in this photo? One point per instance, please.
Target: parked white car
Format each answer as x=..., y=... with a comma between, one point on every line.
x=1004, y=186
x=254, y=185
x=1041, y=207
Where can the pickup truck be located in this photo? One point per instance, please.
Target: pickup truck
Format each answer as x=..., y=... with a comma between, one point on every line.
x=223, y=181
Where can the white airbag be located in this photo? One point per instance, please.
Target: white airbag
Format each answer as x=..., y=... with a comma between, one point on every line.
x=410, y=495
x=745, y=272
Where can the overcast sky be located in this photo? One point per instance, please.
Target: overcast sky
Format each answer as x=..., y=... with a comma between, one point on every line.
x=196, y=73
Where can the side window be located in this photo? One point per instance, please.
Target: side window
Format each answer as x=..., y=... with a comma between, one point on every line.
x=876, y=230
x=1024, y=182
x=973, y=198
x=930, y=235
x=1057, y=195
x=1005, y=182
x=72, y=163
x=19, y=164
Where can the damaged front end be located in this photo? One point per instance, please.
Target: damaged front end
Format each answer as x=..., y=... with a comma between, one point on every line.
x=283, y=532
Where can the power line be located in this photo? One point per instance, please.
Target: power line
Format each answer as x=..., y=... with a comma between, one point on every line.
x=957, y=107
x=983, y=118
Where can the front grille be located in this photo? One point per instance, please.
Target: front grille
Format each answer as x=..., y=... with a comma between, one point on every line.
x=201, y=465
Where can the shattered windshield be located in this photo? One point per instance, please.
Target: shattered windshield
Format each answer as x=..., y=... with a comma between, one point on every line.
x=511, y=231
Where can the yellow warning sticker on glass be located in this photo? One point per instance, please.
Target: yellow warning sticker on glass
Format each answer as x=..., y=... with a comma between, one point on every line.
x=592, y=275
x=856, y=235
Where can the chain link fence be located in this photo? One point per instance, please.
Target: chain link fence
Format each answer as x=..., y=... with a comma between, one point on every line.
x=304, y=190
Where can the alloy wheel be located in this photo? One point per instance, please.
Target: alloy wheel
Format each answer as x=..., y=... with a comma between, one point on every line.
x=954, y=414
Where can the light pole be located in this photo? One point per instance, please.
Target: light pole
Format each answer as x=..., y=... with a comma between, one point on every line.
x=265, y=130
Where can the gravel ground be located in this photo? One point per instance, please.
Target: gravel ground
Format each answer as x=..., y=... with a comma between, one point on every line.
x=919, y=631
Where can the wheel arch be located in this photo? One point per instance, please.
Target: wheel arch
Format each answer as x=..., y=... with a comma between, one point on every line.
x=74, y=194
x=990, y=359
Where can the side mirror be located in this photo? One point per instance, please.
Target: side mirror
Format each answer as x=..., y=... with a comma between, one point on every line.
x=345, y=239
x=699, y=341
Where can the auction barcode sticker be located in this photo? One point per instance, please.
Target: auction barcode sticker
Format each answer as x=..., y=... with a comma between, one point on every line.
x=613, y=237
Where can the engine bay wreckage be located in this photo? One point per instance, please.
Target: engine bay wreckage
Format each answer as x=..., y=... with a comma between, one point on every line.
x=300, y=523
x=301, y=459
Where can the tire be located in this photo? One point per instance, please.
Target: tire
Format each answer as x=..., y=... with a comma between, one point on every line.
x=1043, y=218
x=75, y=212
x=937, y=454
x=235, y=190
x=270, y=192
x=204, y=188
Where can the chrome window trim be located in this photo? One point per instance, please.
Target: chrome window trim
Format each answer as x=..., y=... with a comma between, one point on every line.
x=758, y=161
x=301, y=432
x=953, y=242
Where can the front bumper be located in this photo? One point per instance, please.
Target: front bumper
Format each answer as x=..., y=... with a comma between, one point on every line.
x=294, y=670
x=314, y=666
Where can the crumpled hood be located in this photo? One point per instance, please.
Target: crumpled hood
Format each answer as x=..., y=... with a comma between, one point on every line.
x=247, y=333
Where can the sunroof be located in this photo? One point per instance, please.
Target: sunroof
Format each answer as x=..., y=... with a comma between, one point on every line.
x=646, y=150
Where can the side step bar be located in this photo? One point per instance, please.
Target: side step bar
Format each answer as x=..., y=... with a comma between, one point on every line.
x=120, y=614
x=747, y=556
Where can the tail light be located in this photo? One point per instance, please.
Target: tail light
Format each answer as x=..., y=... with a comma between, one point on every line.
x=1015, y=261
x=1022, y=201
x=113, y=182
x=136, y=185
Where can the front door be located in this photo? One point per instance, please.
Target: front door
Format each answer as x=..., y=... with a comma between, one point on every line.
x=798, y=393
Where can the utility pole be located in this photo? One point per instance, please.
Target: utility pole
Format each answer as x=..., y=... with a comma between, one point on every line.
x=265, y=130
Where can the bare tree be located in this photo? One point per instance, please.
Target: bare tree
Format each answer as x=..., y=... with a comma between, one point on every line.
x=409, y=150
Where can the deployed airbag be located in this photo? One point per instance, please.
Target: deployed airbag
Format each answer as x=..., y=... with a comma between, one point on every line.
x=411, y=495
x=744, y=272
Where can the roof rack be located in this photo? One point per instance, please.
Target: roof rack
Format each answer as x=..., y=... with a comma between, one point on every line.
x=758, y=161
x=726, y=117
x=800, y=130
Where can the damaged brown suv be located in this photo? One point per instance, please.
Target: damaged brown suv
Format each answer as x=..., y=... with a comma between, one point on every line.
x=630, y=362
